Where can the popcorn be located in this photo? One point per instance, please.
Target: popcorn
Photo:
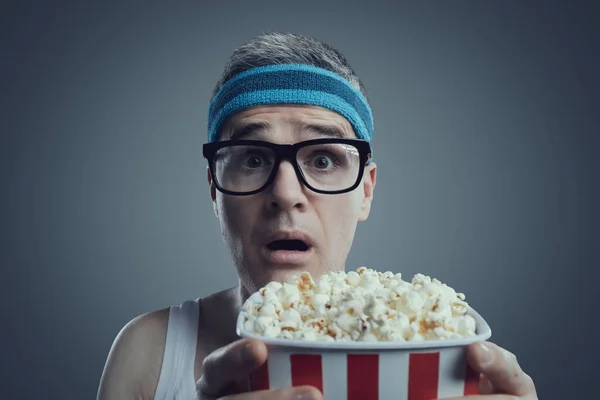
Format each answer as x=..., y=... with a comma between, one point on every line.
x=362, y=305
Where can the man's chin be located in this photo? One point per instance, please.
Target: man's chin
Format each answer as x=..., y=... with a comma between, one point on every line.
x=262, y=270
x=283, y=274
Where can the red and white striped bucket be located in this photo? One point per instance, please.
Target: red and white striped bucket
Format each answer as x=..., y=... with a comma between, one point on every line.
x=422, y=370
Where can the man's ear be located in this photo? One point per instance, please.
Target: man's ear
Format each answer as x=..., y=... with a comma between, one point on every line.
x=213, y=191
x=211, y=184
x=369, y=181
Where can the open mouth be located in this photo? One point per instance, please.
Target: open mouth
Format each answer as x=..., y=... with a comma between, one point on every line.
x=288, y=245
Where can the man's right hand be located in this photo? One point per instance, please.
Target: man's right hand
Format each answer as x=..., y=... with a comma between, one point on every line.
x=226, y=370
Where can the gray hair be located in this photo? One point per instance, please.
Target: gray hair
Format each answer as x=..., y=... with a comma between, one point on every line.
x=275, y=48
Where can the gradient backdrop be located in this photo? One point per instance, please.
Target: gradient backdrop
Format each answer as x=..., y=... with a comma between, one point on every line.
x=487, y=124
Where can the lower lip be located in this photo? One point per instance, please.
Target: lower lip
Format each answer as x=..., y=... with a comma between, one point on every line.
x=290, y=257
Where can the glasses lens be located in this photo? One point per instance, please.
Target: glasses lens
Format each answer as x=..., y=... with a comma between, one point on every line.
x=329, y=166
x=243, y=168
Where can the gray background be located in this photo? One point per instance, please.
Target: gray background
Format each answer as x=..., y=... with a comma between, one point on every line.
x=487, y=120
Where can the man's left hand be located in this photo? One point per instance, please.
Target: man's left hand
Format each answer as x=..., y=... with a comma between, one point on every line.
x=501, y=375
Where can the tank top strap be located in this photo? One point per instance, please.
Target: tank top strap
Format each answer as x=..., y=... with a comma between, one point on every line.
x=176, y=380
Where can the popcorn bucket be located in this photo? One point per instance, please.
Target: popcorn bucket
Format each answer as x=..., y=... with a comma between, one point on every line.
x=417, y=370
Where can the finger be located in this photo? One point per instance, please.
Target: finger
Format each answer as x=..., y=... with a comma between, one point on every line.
x=229, y=364
x=295, y=393
x=485, y=386
x=501, y=368
x=486, y=397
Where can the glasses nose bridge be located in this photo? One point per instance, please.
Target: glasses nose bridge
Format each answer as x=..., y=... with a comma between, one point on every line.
x=287, y=152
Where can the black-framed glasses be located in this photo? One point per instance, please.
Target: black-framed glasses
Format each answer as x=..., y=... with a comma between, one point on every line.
x=328, y=166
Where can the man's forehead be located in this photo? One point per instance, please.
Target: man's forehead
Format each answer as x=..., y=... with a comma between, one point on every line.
x=292, y=113
x=299, y=117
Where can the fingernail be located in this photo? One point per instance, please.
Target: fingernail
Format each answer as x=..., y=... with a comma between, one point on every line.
x=487, y=357
x=307, y=395
x=247, y=353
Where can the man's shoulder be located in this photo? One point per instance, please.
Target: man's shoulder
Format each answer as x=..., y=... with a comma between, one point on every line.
x=144, y=336
x=135, y=358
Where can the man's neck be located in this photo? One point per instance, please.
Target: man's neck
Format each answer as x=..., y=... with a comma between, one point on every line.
x=242, y=294
x=219, y=315
x=235, y=298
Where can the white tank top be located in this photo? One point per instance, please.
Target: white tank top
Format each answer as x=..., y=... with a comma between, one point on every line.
x=176, y=380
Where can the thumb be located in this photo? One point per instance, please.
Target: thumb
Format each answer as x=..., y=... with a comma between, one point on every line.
x=501, y=368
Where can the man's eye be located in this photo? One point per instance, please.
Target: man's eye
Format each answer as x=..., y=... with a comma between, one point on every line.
x=322, y=162
x=254, y=162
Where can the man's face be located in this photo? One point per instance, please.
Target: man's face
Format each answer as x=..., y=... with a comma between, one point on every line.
x=286, y=208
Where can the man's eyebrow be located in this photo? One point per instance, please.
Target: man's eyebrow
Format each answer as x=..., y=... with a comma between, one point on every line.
x=246, y=129
x=325, y=130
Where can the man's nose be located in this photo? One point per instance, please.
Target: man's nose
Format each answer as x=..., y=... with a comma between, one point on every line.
x=287, y=192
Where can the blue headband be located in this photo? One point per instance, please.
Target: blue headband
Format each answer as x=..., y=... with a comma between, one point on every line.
x=290, y=84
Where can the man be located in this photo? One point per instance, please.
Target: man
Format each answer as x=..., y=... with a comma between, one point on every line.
x=290, y=176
